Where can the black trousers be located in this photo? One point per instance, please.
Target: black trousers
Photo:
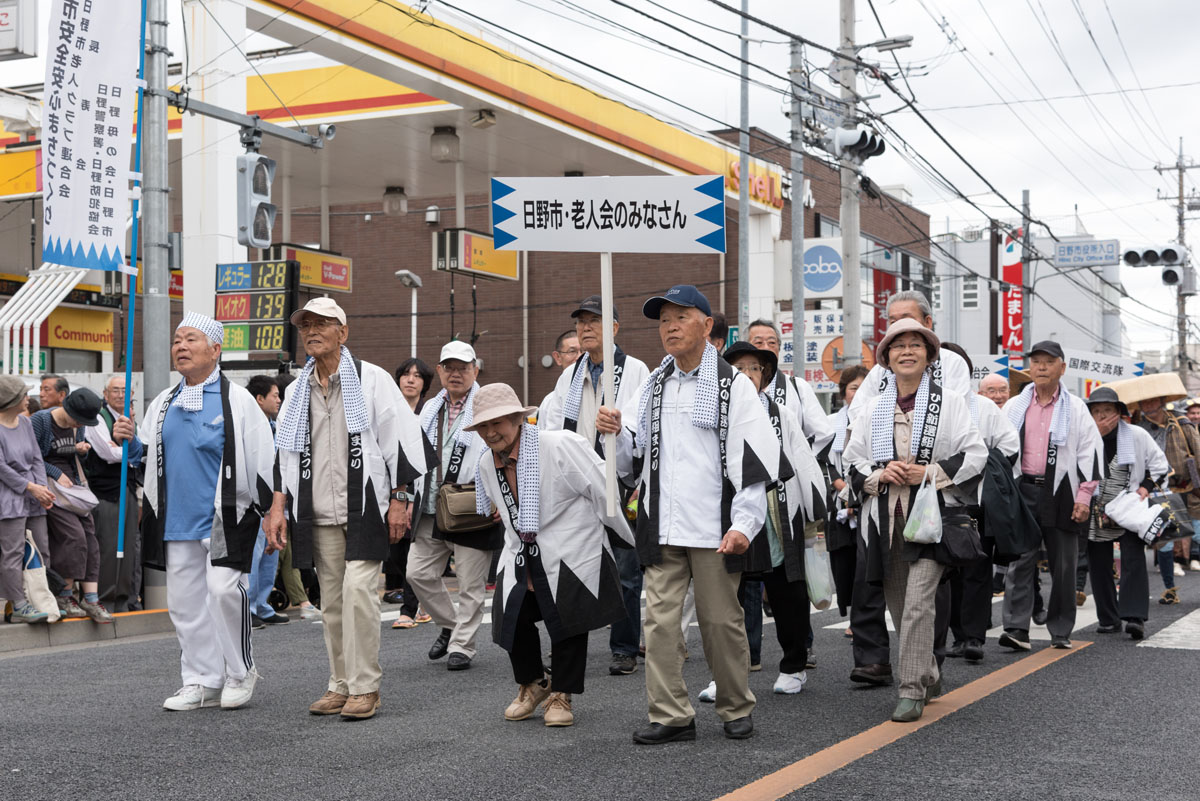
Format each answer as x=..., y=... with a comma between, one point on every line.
x=867, y=621
x=394, y=575
x=1134, y=601
x=568, y=657
x=789, y=602
x=956, y=605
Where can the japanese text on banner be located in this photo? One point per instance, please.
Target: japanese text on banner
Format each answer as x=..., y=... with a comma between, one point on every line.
x=90, y=105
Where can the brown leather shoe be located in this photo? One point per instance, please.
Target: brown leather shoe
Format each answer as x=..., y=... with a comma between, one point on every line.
x=361, y=707
x=557, y=711
x=878, y=675
x=527, y=700
x=330, y=703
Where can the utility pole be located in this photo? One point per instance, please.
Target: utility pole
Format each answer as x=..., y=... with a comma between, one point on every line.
x=1026, y=279
x=1187, y=282
x=848, y=215
x=744, y=181
x=798, y=195
x=156, y=215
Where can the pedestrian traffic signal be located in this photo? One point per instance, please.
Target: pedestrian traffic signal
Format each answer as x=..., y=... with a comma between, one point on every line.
x=255, y=211
x=857, y=144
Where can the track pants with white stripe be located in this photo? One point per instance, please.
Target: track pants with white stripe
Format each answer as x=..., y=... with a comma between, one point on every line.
x=211, y=613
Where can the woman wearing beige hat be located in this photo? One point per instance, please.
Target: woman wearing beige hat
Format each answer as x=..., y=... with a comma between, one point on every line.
x=556, y=565
x=911, y=427
x=24, y=497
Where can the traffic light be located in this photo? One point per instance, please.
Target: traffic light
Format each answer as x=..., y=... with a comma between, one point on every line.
x=1169, y=256
x=255, y=211
x=857, y=144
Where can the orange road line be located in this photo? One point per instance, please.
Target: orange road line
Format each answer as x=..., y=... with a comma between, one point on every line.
x=808, y=770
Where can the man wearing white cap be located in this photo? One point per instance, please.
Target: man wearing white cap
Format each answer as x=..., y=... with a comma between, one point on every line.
x=446, y=421
x=348, y=445
x=210, y=453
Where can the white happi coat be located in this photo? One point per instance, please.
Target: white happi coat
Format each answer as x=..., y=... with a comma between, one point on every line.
x=245, y=479
x=994, y=427
x=393, y=455
x=571, y=562
x=799, y=397
x=634, y=373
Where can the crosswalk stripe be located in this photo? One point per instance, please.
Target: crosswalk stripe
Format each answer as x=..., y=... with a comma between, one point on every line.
x=1183, y=634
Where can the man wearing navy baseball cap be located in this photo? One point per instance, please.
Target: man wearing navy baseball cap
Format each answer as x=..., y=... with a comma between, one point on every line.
x=703, y=452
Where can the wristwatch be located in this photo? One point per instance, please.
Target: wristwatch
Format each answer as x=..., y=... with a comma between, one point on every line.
x=402, y=495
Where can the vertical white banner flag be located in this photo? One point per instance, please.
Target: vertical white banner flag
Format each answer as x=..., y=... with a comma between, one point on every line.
x=90, y=109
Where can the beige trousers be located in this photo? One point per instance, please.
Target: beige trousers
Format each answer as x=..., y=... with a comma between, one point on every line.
x=426, y=561
x=722, y=630
x=350, y=612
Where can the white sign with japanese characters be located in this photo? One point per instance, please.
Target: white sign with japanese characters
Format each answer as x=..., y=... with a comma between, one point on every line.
x=1097, y=366
x=1096, y=253
x=821, y=328
x=87, y=130
x=610, y=214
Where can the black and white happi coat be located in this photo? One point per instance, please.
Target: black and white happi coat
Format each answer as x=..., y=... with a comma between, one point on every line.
x=1074, y=453
x=942, y=434
x=558, y=533
x=797, y=500
x=1137, y=450
x=388, y=454
x=243, y=493
x=994, y=426
x=799, y=397
x=748, y=449
x=562, y=408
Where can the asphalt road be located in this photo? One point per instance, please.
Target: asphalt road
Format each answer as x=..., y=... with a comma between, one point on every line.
x=1113, y=721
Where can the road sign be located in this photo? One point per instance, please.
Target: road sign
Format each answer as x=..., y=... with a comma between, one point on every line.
x=1094, y=253
x=621, y=214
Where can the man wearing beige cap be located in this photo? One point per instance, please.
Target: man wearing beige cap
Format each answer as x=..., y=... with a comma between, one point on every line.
x=347, y=445
x=446, y=421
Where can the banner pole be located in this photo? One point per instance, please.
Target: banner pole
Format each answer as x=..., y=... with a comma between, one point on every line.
x=610, y=440
x=123, y=510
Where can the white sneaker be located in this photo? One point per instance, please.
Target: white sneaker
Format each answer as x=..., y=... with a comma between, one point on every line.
x=192, y=696
x=237, y=692
x=310, y=612
x=1194, y=565
x=709, y=694
x=1178, y=570
x=790, y=683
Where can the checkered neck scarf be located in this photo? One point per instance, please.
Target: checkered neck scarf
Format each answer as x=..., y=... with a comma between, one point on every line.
x=429, y=415
x=704, y=407
x=528, y=489
x=1060, y=424
x=292, y=430
x=575, y=392
x=841, y=421
x=883, y=421
x=191, y=396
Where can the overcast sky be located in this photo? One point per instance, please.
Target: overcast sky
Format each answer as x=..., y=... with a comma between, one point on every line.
x=979, y=79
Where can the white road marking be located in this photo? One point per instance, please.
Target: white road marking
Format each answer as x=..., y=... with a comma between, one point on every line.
x=1183, y=634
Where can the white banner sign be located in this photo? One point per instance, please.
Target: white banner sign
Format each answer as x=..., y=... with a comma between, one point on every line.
x=624, y=214
x=985, y=364
x=821, y=329
x=1097, y=253
x=1098, y=367
x=90, y=109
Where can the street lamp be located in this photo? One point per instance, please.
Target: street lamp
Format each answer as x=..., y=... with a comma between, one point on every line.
x=891, y=43
x=413, y=281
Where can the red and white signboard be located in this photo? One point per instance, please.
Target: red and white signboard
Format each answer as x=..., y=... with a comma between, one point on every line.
x=1013, y=274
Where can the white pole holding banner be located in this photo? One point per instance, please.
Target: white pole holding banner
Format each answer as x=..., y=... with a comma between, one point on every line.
x=610, y=440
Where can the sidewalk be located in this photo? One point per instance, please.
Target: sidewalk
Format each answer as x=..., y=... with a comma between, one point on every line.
x=25, y=636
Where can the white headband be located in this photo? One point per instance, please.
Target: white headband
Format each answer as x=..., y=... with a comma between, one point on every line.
x=211, y=328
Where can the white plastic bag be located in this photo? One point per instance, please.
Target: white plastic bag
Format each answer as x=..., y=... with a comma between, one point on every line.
x=924, y=524
x=819, y=577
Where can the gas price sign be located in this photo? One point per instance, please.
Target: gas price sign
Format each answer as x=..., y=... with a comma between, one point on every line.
x=254, y=300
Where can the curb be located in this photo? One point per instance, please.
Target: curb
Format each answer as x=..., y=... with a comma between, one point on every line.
x=74, y=631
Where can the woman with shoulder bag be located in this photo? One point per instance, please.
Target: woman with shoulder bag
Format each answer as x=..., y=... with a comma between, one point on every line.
x=74, y=549
x=24, y=497
x=911, y=430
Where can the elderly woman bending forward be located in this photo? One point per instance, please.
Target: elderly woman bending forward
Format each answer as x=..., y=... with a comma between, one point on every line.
x=912, y=426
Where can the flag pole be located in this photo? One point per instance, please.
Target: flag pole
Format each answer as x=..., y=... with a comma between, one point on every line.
x=123, y=510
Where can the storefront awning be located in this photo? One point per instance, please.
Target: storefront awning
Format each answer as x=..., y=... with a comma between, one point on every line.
x=21, y=318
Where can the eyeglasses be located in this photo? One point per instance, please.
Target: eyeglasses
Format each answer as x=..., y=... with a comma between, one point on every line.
x=316, y=323
x=748, y=368
x=899, y=347
x=456, y=368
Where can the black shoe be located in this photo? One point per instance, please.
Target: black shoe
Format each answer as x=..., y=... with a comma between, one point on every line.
x=739, y=729
x=438, y=650
x=973, y=651
x=956, y=651
x=256, y=622
x=276, y=619
x=810, y=661
x=1135, y=629
x=1016, y=639
x=1039, y=617
x=1061, y=643
x=1106, y=629
x=622, y=665
x=878, y=675
x=657, y=734
x=458, y=661
x=393, y=597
